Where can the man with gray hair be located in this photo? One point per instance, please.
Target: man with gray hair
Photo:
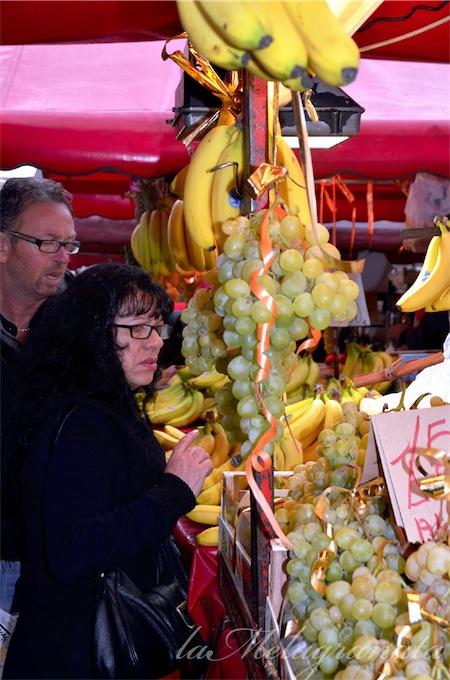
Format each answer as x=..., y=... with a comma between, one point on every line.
x=37, y=238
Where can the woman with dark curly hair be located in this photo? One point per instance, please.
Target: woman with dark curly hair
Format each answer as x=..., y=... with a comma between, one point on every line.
x=95, y=489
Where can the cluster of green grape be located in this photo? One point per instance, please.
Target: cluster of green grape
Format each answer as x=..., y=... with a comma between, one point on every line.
x=353, y=623
x=341, y=446
x=221, y=323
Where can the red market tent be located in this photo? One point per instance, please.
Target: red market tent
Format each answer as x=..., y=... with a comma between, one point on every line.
x=94, y=115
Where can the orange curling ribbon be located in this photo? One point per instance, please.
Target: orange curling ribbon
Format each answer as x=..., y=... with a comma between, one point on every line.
x=311, y=342
x=263, y=462
x=370, y=215
x=263, y=178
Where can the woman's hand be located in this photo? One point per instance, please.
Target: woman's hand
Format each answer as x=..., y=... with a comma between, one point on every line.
x=190, y=463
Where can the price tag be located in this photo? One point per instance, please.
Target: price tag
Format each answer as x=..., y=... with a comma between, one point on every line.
x=391, y=452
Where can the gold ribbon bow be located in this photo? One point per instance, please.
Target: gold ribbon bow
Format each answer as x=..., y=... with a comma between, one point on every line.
x=436, y=487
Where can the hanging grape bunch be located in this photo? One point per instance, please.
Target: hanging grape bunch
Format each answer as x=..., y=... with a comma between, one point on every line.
x=222, y=321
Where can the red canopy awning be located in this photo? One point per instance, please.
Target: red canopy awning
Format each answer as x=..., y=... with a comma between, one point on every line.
x=49, y=21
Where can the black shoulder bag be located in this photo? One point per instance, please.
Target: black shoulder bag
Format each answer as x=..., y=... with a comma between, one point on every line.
x=146, y=635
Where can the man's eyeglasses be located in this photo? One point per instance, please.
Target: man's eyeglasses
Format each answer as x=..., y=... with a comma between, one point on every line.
x=47, y=245
x=143, y=331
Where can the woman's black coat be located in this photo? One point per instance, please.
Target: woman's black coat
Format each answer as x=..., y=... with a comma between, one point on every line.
x=89, y=505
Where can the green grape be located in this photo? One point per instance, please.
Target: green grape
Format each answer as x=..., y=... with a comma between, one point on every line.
x=320, y=318
x=285, y=307
x=319, y=618
x=383, y=615
x=189, y=346
x=362, y=609
x=248, y=407
x=231, y=339
x=349, y=289
x=396, y=563
x=327, y=437
x=339, y=307
x=304, y=514
x=312, y=268
x=344, y=430
x=218, y=348
x=276, y=269
x=388, y=592
x=309, y=632
x=335, y=614
x=362, y=586
x=374, y=525
x=238, y=368
x=225, y=271
x=293, y=284
x=345, y=536
x=337, y=590
x=342, y=447
x=237, y=269
x=251, y=250
x=365, y=649
x=424, y=636
x=334, y=572
x=328, y=636
x=438, y=560
x=346, y=604
x=310, y=530
x=237, y=288
x=259, y=313
x=233, y=246
x=365, y=627
x=274, y=405
x=329, y=279
x=269, y=284
x=301, y=548
x=298, y=328
x=248, y=340
x=347, y=561
x=303, y=304
x=212, y=321
x=229, y=322
x=248, y=354
x=322, y=295
x=245, y=326
x=361, y=550
x=275, y=384
x=352, y=311
x=328, y=665
x=200, y=298
x=245, y=424
x=291, y=227
x=189, y=314
x=296, y=592
x=279, y=337
x=249, y=267
x=323, y=235
x=346, y=637
x=241, y=308
x=291, y=260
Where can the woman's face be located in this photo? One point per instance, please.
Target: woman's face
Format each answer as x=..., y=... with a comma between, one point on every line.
x=139, y=355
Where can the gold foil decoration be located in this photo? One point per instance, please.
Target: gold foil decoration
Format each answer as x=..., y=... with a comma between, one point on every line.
x=263, y=178
x=436, y=487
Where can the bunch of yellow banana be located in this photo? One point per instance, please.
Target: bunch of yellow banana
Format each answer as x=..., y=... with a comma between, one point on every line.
x=208, y=382
x=149, y=242
x=304, y=420
x=188, y=255
x=175, y=405
x=306, y=373
x=274, y=40
x=360, y=359
x=210, y=184
x=287, y=453
x=431, y=289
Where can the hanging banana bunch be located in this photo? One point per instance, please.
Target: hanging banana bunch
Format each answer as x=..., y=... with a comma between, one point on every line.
x=285, y=40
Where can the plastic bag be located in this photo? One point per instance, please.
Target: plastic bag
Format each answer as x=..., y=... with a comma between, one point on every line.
x=428, y=196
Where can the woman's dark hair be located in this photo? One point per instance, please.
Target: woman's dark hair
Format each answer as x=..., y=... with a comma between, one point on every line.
x=72, y=344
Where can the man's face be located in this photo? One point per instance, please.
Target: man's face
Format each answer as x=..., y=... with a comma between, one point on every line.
x=34, y=274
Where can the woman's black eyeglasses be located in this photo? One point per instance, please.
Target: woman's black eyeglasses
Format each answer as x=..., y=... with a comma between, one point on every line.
x=47, y=245
x=143, y=331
